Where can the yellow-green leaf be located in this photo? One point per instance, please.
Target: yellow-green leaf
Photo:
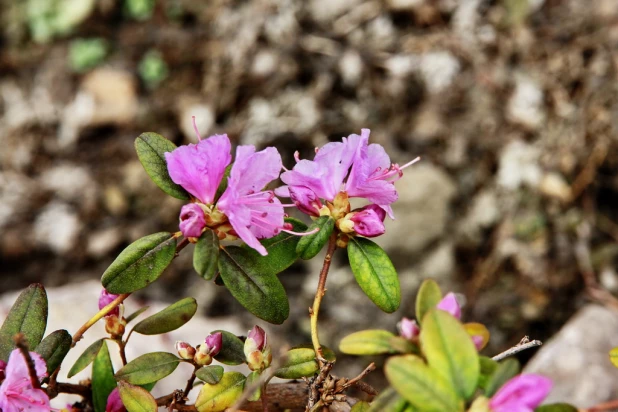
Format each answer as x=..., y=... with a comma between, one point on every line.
x=449, y=351
x=360, y=406
x=375, y=342
x=136, y=398
x=613, y=356
x=169, y=319
x=211, y=374
x=86, y=358
x=423, y=387
x=215, y=398
x=390, y=400
x=300, y=362
x=428, y=296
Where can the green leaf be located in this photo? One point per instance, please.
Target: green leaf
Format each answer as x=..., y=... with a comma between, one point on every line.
x=86, y=358
x=420, y=385
x=169, y=319
x=281, y=250
x=556, y=407
x=136, y=399
x=210, y=374
x=309, y=246
x=253, y=379
x=450, y=352
x=150, y=148
x=488, y=367
x=505, y=371
x=135, y=314
x=215, y=398
x=140, y=264
x=389, y=400
x=375, y=342
x=28, y=315
x=260, y=293
x=206, y=255
x=429, y=295
x=232, y=349
x=103, y=382
x=360, y=406
x=54, y=348
x=375, y=273
x=300, y=362
x=148, y=368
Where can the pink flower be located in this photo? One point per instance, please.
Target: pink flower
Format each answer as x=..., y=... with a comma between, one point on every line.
x=114, y=403
x=105, y=298
x=192, y=220
x=449, y=304
x=408, y=329
x=16, y=392
x=522, y=393
x=254, y=214
x=369, y=221
x=210, y=348
x=368, y=170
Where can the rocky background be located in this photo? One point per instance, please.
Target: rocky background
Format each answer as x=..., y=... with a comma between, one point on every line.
x=512, y=105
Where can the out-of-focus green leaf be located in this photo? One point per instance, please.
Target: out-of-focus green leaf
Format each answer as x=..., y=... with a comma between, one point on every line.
x=375, y=342
x=216, y=398
x=374, y=273
x=487, y=367
x=390, y=400
x=148, y=368
x=28, y=315
x=556, y=407
x=254, y=379
x=428, y=296
x=360, y=406
x=505, y=371
x=140, y=264
x=169, y=319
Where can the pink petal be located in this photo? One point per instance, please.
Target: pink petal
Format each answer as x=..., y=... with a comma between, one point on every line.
x=199, y=168
x=449, y=304
x=313, y=176
x=105, y=298
x=114, y=403
x=369, y=222
x=408, y=328
x=252, y=171
x=192, y=220
x=523, y=390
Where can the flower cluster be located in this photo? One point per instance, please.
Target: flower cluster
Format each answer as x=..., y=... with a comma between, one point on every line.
x=201, y=355
x=351, y=168
x=17, y=392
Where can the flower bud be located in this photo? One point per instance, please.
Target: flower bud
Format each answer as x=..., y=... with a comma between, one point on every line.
x=257, y=350
x=408, y=329
x=192, y=220
x=369, y=221
x=449, y=304
x=114, y=403
x=306, y=200
x=2, y=369
x=115, y=325
x=105, y=298
x=185, y=351
x=211, y=347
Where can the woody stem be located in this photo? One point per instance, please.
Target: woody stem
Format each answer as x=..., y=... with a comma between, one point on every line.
x=332, y=246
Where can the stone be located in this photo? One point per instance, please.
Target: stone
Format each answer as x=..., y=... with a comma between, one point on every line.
x=102, y=242
x=553, y=185
x=438, y=70
x=482, y=214
x=519, y=165
x=57, y=227
x=71, y=183
x=577, y=361
x=422, y=211
x=525, y=107
x=15, y=197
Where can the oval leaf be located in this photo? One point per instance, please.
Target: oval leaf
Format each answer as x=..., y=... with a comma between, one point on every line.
x=450, y=352
x=260, y=293
x=360, y=406
x=206, y=255
x=210, y=374
x=374, y=342
x=253, y=379
x=148, y=368
x=140, y=264
x=309, y=246
x=281, y=250
x=86, y=358
x=28, y=315
x=169, y=319
x=389, y=400
x=54, y=348
x=422, y=387
x=232, y=349
x=150, y=148
x=136, y=398
x=103, y=382
x=556, y=407
x=428, y=296
x=505, y=371
x=375, y=273
x=135, y=314
x=300, y=362
x=488, y=367
x=215, y=398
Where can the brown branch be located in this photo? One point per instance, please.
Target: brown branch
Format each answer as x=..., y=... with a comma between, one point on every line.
x=524, y=344
x=22, y=345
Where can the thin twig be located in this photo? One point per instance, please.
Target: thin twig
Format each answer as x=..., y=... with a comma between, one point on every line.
x=605, y=406
x=524, y=344
x=22, y=345
x=189, y=386
x=100, y=314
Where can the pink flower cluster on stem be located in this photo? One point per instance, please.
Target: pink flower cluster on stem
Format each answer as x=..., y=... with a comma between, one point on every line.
x=17, y=392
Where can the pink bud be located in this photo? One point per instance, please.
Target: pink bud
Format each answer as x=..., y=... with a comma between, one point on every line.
x=369, y=221
x=192, y=220
x=185, y=351
x=521, y=393
x=214, y=342
x=478, y=341
x=258, y=336
x=408, y=328
x=305, y=200
x=449, y=304
x=114, y=403
x=2, y=369
x=105, y=299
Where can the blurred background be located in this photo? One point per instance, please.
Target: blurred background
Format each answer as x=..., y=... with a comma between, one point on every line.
x=512, y=105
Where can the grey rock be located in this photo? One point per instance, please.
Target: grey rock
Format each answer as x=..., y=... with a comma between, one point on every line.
x=57, y=227
x=577, y=360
